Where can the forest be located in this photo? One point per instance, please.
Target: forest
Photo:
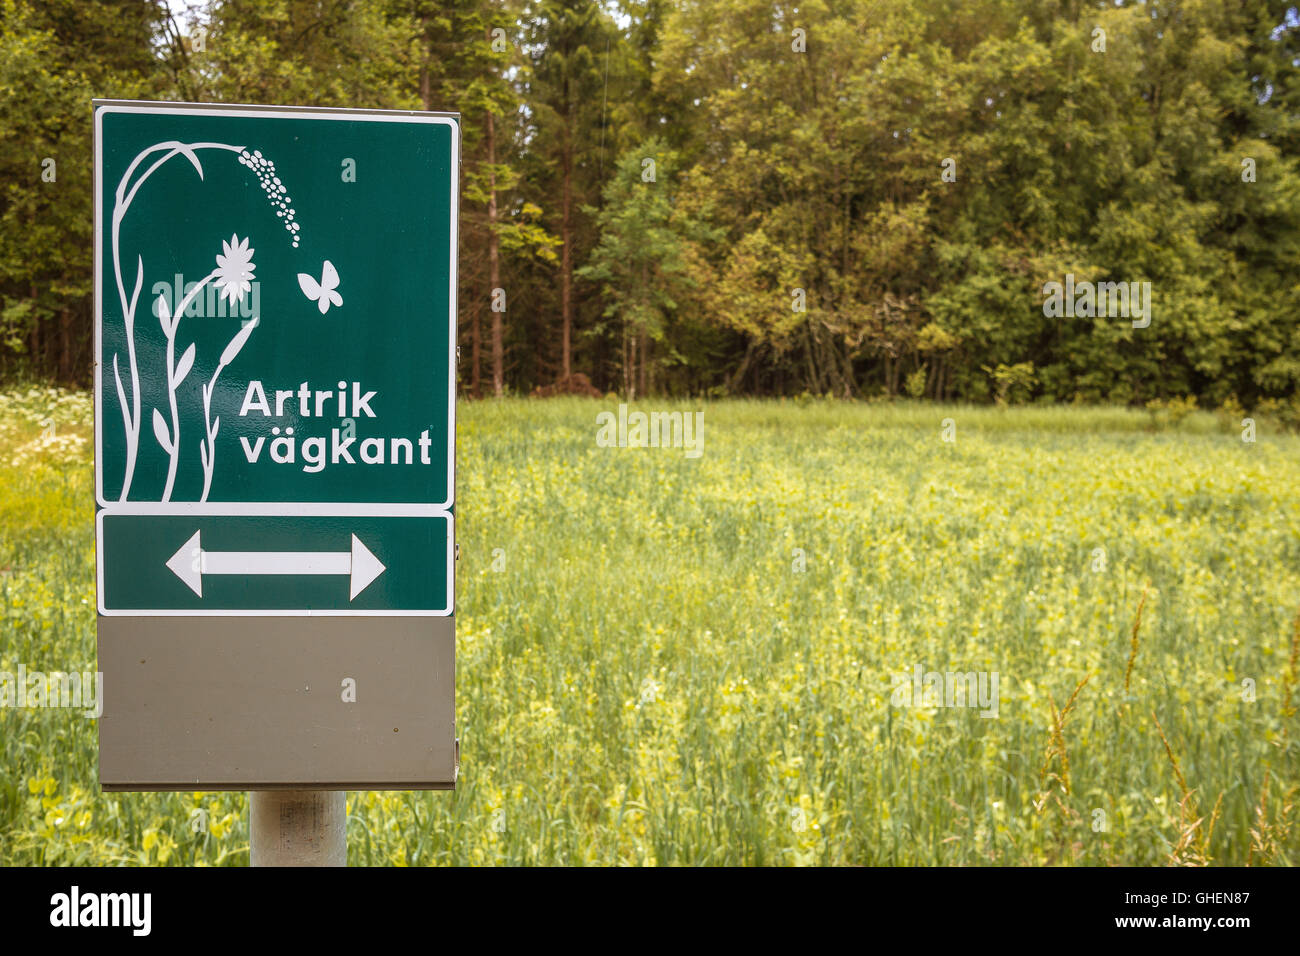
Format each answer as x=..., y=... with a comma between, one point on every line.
x=866, y=199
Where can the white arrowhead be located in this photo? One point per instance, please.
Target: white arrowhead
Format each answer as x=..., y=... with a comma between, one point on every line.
x=191, y=562
x=365, y=567
x=187, y=563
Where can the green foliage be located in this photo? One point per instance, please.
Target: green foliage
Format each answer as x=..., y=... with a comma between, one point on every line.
x=54, y=57
x=888, y=185
x=1172, y=411
x=299, y=52
x=647, y=244
x=914, y=385
x=1012, y=383
x=922, y=166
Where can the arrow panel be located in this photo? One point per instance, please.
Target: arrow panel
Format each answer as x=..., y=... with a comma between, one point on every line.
x=288, y=565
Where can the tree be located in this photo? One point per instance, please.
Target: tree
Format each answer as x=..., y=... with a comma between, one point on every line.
x=298, y=52
x=642, y=260
x=566, y=42
x=54, y=57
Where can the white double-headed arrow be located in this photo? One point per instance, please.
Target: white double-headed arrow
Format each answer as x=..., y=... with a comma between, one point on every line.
x=191, y=562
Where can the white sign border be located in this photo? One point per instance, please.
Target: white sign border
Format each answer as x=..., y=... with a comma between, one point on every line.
x=341, y=509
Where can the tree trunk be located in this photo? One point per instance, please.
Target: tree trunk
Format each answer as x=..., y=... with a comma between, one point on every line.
x=849, y=380
x=566, y=261
x=814, y=379
x=494, y=260
x=475, y=353
x=36, y=347
x=829, y=358
x=739, y=377
x=644, y=387
x=632, y=366
x=65, y=347
x=627, y=361
x=425, y=93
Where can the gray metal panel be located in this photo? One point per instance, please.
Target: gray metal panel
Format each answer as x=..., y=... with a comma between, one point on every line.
x=255, y=703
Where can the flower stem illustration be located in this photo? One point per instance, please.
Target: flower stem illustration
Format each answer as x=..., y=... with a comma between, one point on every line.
x=207, y=448
x=170, y=440
x=233, y=274
x=121, y=203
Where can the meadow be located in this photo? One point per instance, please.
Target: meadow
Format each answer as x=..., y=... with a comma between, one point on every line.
x=676, y=661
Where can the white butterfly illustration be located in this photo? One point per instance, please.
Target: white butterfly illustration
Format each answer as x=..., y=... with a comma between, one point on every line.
x=323, y=292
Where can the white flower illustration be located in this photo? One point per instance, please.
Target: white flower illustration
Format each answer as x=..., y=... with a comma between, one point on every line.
x=234, y=269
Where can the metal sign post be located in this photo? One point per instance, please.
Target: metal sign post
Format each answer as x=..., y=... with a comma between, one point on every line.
x=298, y=828
x=275, y=447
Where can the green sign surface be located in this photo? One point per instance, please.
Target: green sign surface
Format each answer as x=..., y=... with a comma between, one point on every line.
x=213, y=563
x=275, y=358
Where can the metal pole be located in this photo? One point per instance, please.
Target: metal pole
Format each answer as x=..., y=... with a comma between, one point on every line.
x=298, y=828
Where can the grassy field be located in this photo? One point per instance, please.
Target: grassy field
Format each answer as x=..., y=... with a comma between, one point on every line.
x=699, y=661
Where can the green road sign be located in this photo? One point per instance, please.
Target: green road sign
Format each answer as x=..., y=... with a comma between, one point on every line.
x=275, y=360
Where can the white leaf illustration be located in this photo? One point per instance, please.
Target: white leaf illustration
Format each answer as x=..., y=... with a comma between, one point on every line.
x=160, y=431
x=237, y=343
x=165, y=315
x=183, y=368
x=121, y=399
x=139, y=279
x=189, y=154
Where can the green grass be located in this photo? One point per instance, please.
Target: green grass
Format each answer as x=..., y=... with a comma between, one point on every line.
x=650, y=680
